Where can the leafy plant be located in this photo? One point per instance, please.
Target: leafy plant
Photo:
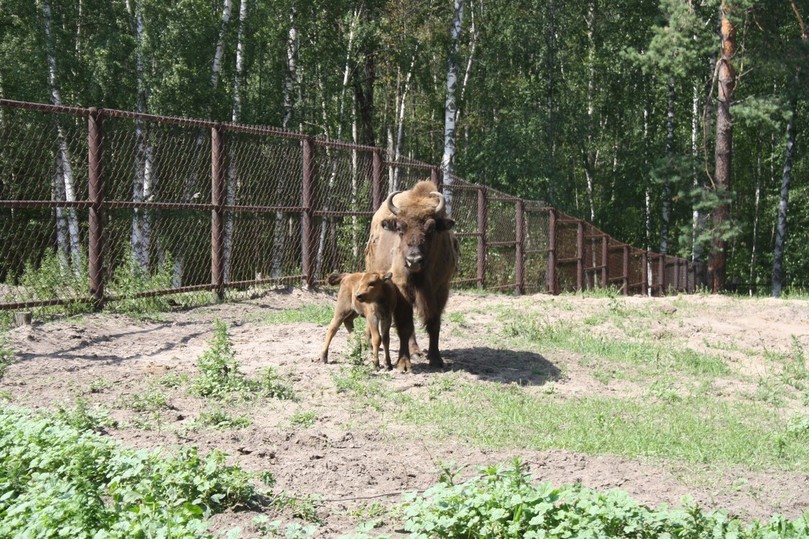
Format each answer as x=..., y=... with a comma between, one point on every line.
x=303, y=419
x=219, y=419
x=130, y=279
x=6, y=354
x=504, y=502
x=59, y=480
x=82, y=417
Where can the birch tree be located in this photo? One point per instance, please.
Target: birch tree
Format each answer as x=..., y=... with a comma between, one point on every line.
x=142, y=186
x=290, y=87
x=450, y=107
x=232, y=182
x=67, y=226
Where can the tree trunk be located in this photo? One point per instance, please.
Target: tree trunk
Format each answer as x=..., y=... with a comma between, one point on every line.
x=717, y=266
x=232, y=182
x=783, y=202
x=402, y=101
x=290, y=85
x=64, y=170
x=142, y=184
x=450, y=107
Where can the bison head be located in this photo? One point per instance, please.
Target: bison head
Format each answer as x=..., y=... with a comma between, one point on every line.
x=416, y=229
x=370, y=287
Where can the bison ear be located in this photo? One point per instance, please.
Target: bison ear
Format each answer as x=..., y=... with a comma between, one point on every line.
x=444, y=224
x=390, y=225
x=388, y=276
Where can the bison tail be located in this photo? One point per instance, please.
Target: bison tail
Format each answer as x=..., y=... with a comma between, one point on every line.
x=335, y=278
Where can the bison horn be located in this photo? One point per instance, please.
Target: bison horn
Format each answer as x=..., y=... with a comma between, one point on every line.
x=441, y=202
x=391, y=206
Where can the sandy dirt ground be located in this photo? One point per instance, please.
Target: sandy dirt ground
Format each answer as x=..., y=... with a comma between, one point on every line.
x=353, y=459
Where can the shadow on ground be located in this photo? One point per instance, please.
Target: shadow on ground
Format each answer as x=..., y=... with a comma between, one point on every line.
x=498, y=365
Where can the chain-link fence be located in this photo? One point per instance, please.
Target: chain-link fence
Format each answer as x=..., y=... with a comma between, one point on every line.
x=100, y=205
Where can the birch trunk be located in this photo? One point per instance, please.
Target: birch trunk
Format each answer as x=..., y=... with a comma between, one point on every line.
x=450, y=108
x=290, y=83
x=65, y=186
x=232, y=184
x=142, y=184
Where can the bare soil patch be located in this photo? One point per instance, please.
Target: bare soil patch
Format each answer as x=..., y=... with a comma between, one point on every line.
x=351, y=456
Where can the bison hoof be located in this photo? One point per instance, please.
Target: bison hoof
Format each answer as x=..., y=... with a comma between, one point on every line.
x=404, y=365
x=435, y=361
x=324, y=357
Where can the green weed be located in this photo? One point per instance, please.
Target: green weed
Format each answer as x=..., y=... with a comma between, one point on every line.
x=6, y=354
x=82, y=417
x=506, y=502
x=62, y=481
x=303, y=419
x=220, y=375
x=130, y=279
x=221, y=420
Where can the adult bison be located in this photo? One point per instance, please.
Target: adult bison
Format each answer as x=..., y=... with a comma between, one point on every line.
x=411, y=238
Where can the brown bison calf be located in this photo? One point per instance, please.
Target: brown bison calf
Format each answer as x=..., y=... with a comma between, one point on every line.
x=371, y=295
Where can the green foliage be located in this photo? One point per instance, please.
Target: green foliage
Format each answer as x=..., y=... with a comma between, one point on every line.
x=6, y=353
x=219, y=419
x=83, y=417
x=58, y=480
x=55, y=278
x=504, y=502
x=220, y=375
x=303, y=419
x=130, y=279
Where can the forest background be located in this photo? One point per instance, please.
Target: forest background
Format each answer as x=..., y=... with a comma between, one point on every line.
x=673, y=125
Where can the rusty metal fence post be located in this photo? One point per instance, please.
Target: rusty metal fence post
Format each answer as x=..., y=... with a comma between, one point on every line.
x=95, y=141
x=644, y=273
x=605, y=254
x=519, y=271
x=217, y=213
x=307, y=220
x=483, y=223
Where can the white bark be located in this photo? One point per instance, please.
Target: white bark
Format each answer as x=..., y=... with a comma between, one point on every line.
x=143, y=178
x=64, y=170
x=290, y=83
x=232, y=183
x=216, y=69
x=450, y=108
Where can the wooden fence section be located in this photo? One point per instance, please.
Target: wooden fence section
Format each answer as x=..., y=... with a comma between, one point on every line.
x=105, y=191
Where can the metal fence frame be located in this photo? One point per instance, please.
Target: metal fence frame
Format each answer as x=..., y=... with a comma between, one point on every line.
x=576, y=255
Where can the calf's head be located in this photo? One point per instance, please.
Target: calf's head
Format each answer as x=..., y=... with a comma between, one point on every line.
x=416, y=229
x=370, y=287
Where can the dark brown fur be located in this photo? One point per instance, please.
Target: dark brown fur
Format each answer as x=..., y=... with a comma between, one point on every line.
x=370, y=295
x=418, y=248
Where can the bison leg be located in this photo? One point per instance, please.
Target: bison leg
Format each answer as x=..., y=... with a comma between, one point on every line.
x=404, y=327
x=373, y=329
x=433, y=329
x=385, y=329
x=339, y=318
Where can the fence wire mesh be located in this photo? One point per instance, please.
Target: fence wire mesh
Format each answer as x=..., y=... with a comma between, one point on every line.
x=97, y=206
